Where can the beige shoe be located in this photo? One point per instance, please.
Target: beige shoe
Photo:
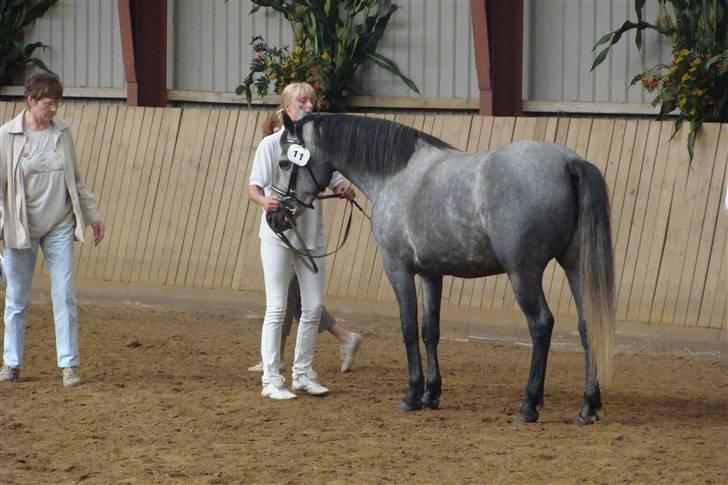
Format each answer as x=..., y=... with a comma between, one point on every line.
x=310, y=385
x=9, y=374
x=349, y=350
x=71, y=377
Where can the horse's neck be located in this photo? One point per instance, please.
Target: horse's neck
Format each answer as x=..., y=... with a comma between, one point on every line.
x=373, y=184
x=370, y=185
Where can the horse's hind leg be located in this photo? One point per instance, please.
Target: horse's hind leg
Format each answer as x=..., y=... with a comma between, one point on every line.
x=403, y=284
x=530, y=297
x=592, y=396
x=431, y=294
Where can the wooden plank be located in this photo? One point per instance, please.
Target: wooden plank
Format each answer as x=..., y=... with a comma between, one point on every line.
x=716, y=281
x=112, y=187
x=618, y=170
x=705, y=283
x=199, y=171
x=242, y=213
x=675, y=156
x=144, y=168
x=719, y=318
x=248, y=261
x=186, y=154
x=631, y=228
x=680, y=204
x=223, y=188
x=120, y=183
x=211, y=190
x=93, y=159
x=114, y=121
x=650, y=196
x=154, y=220
x=695, y=201
x=126, y=236
x=84, y=138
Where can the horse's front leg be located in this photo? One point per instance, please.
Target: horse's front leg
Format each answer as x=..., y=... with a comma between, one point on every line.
x=403, y=283
x=431, y=294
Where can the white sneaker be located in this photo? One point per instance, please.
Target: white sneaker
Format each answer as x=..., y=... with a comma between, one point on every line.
x=349, y=350
x=9, y=374
x=309, y=385
x=259, y=367
x=70, y=377
x=277, y=392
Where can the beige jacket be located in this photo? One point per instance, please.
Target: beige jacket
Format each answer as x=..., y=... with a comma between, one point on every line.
x=13, y=214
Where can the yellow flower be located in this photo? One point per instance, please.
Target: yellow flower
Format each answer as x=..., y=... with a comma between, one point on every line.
x=682, y=103
x=686, y=77
x=696, y=61
x=684, y=52
x=325, y=56
x=693, y=69
x=698, y=92
x=693, y=111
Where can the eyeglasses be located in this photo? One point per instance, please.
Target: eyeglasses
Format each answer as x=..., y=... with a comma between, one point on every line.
x=47, y=102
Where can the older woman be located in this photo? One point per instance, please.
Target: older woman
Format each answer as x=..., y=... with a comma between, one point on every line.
x=43, y=203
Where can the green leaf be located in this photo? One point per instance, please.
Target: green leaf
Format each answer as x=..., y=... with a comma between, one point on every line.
x=599, y=58
x=691, y=143
x=615, y=36
x=603, y=40
x=390, y=66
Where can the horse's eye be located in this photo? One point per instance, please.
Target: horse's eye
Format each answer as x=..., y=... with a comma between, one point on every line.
x=284, y=164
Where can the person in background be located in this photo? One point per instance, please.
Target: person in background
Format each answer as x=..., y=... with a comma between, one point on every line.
x=349, y=341
x=43, y=204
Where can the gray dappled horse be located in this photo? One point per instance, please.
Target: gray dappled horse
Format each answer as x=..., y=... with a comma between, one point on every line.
x=440, y=211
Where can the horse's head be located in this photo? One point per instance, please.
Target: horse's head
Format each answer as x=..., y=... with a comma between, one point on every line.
x=302, y=175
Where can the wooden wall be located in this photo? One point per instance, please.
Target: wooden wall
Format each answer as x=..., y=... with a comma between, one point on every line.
x=172, y=185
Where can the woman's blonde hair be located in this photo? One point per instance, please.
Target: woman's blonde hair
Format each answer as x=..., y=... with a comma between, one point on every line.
x=290, y=94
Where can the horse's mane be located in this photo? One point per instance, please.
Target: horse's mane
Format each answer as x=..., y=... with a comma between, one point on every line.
x=373, y=145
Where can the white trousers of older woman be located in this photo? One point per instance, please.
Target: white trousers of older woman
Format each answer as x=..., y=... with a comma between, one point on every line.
x=278, y=262
x=19, y=264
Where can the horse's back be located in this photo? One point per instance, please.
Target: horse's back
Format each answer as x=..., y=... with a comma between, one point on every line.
x=480, y=214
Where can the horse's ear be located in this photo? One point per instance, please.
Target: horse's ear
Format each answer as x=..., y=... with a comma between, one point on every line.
x=288, y=123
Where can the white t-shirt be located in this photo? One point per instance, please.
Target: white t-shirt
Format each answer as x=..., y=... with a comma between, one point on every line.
x=310, y=222
x=46, y=195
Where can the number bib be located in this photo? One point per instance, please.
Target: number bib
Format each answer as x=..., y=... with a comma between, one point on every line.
x=298, y=155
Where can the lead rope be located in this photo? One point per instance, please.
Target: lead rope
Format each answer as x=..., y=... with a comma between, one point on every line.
x=305, y=252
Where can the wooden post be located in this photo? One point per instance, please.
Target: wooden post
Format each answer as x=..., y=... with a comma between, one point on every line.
x=482, y=55
x=143, y=25
x=498, y=42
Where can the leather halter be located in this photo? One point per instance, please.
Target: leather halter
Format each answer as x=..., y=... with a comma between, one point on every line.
x=285, y=214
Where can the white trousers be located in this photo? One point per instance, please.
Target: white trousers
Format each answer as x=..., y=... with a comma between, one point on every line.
x=57, y=248
x=278, y=262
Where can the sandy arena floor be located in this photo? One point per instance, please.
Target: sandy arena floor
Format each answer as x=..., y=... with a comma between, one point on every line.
x=167, y=399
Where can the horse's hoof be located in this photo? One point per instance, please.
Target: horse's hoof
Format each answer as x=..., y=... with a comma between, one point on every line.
x=431, y=403
x=586, y=420
x=406, y=407
x=523, y=418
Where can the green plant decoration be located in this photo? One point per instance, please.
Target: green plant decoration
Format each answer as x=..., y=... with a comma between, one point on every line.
x=15, y=56
x=333, y=38
x=695, y=84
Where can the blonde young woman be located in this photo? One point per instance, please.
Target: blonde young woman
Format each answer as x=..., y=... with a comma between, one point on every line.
x=279, y=263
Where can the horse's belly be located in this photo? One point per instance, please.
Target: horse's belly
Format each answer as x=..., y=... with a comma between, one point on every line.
x=458, y=265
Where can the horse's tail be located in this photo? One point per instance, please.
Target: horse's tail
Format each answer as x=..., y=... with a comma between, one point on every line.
x=596, y=265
